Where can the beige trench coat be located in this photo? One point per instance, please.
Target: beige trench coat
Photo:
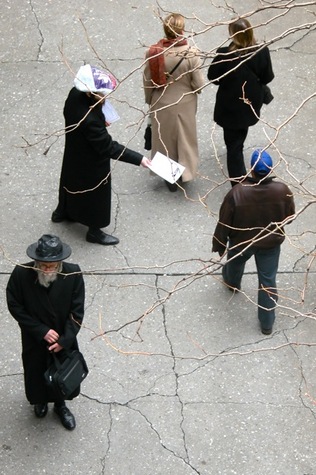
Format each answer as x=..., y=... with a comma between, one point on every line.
x=173, y=108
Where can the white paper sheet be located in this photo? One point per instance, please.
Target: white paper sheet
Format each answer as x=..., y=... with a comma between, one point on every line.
x=165, y=167
x=109, y=112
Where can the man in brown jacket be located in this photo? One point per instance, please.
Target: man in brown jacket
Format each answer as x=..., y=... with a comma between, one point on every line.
x=251, y=220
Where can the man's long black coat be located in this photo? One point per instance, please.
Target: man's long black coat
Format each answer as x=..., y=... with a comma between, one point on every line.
x=86, y=162
x=37, y=310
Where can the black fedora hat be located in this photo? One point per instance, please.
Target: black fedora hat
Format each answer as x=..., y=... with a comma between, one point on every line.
x=48, y=248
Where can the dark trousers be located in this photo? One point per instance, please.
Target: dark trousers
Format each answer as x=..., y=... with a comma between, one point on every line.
x=234, y=140
x=267, y=262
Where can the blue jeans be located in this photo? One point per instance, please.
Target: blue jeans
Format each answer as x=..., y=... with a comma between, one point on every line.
x=267, y=262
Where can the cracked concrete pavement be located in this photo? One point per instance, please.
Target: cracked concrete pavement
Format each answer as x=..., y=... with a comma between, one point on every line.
x=181, y=382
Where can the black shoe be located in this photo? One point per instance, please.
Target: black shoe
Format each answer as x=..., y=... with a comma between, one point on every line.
x=266, y=331
x=100, y=237
x=58, y=217
x=231, y=287
x=40, y=410
x=171, y=186
x=66, y=417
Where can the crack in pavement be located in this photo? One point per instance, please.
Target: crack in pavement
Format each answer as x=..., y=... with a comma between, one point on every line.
x=303, y=381
x=40, y=45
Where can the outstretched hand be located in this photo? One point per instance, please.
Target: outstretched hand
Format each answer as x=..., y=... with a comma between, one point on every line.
x=145, y=162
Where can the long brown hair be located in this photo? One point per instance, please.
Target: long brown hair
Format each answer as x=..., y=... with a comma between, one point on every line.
x=242, y=34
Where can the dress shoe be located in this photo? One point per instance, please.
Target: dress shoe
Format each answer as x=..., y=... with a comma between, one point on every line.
x=171, y=186
x=266, y=331
x=231, y=287
x=58, y=217
x=100, y=237
x=66, y=417
x=40, y=410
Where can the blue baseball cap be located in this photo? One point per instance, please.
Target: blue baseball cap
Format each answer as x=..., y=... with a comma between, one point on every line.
x=261, y=162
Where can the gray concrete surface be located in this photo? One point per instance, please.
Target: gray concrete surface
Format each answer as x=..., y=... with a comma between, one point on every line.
x=181, y=380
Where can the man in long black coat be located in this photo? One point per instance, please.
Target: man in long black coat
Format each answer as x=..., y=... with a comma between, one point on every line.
x=46, y=298
x=85, y=181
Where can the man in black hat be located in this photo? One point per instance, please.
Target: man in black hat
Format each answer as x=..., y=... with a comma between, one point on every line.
x=251, y=222
x=46, y=297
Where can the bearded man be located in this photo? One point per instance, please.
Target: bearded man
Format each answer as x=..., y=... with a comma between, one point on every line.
x=46, y=298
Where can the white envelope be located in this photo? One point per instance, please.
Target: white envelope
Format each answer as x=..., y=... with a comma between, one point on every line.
x=165, y=167
x=109, y=112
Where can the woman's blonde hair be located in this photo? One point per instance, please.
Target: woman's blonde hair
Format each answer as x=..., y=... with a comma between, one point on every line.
x=242, y=34
x=173, y=25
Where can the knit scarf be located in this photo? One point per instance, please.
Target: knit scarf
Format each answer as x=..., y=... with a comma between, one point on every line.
x=157, y=59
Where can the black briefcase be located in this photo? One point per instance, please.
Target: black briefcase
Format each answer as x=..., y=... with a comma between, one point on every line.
x=65, y=375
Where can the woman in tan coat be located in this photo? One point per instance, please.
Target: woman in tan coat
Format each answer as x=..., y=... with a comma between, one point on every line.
x=172, y=80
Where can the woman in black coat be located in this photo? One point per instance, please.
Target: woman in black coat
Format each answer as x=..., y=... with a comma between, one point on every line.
x=85, y=181
x=240, y=70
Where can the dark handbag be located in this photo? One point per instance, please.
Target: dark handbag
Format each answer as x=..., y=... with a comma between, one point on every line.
x=147, y=137
x=64, y=376
x=267, y=94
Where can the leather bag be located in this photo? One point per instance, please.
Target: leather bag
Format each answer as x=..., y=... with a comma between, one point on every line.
x=65, y=375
